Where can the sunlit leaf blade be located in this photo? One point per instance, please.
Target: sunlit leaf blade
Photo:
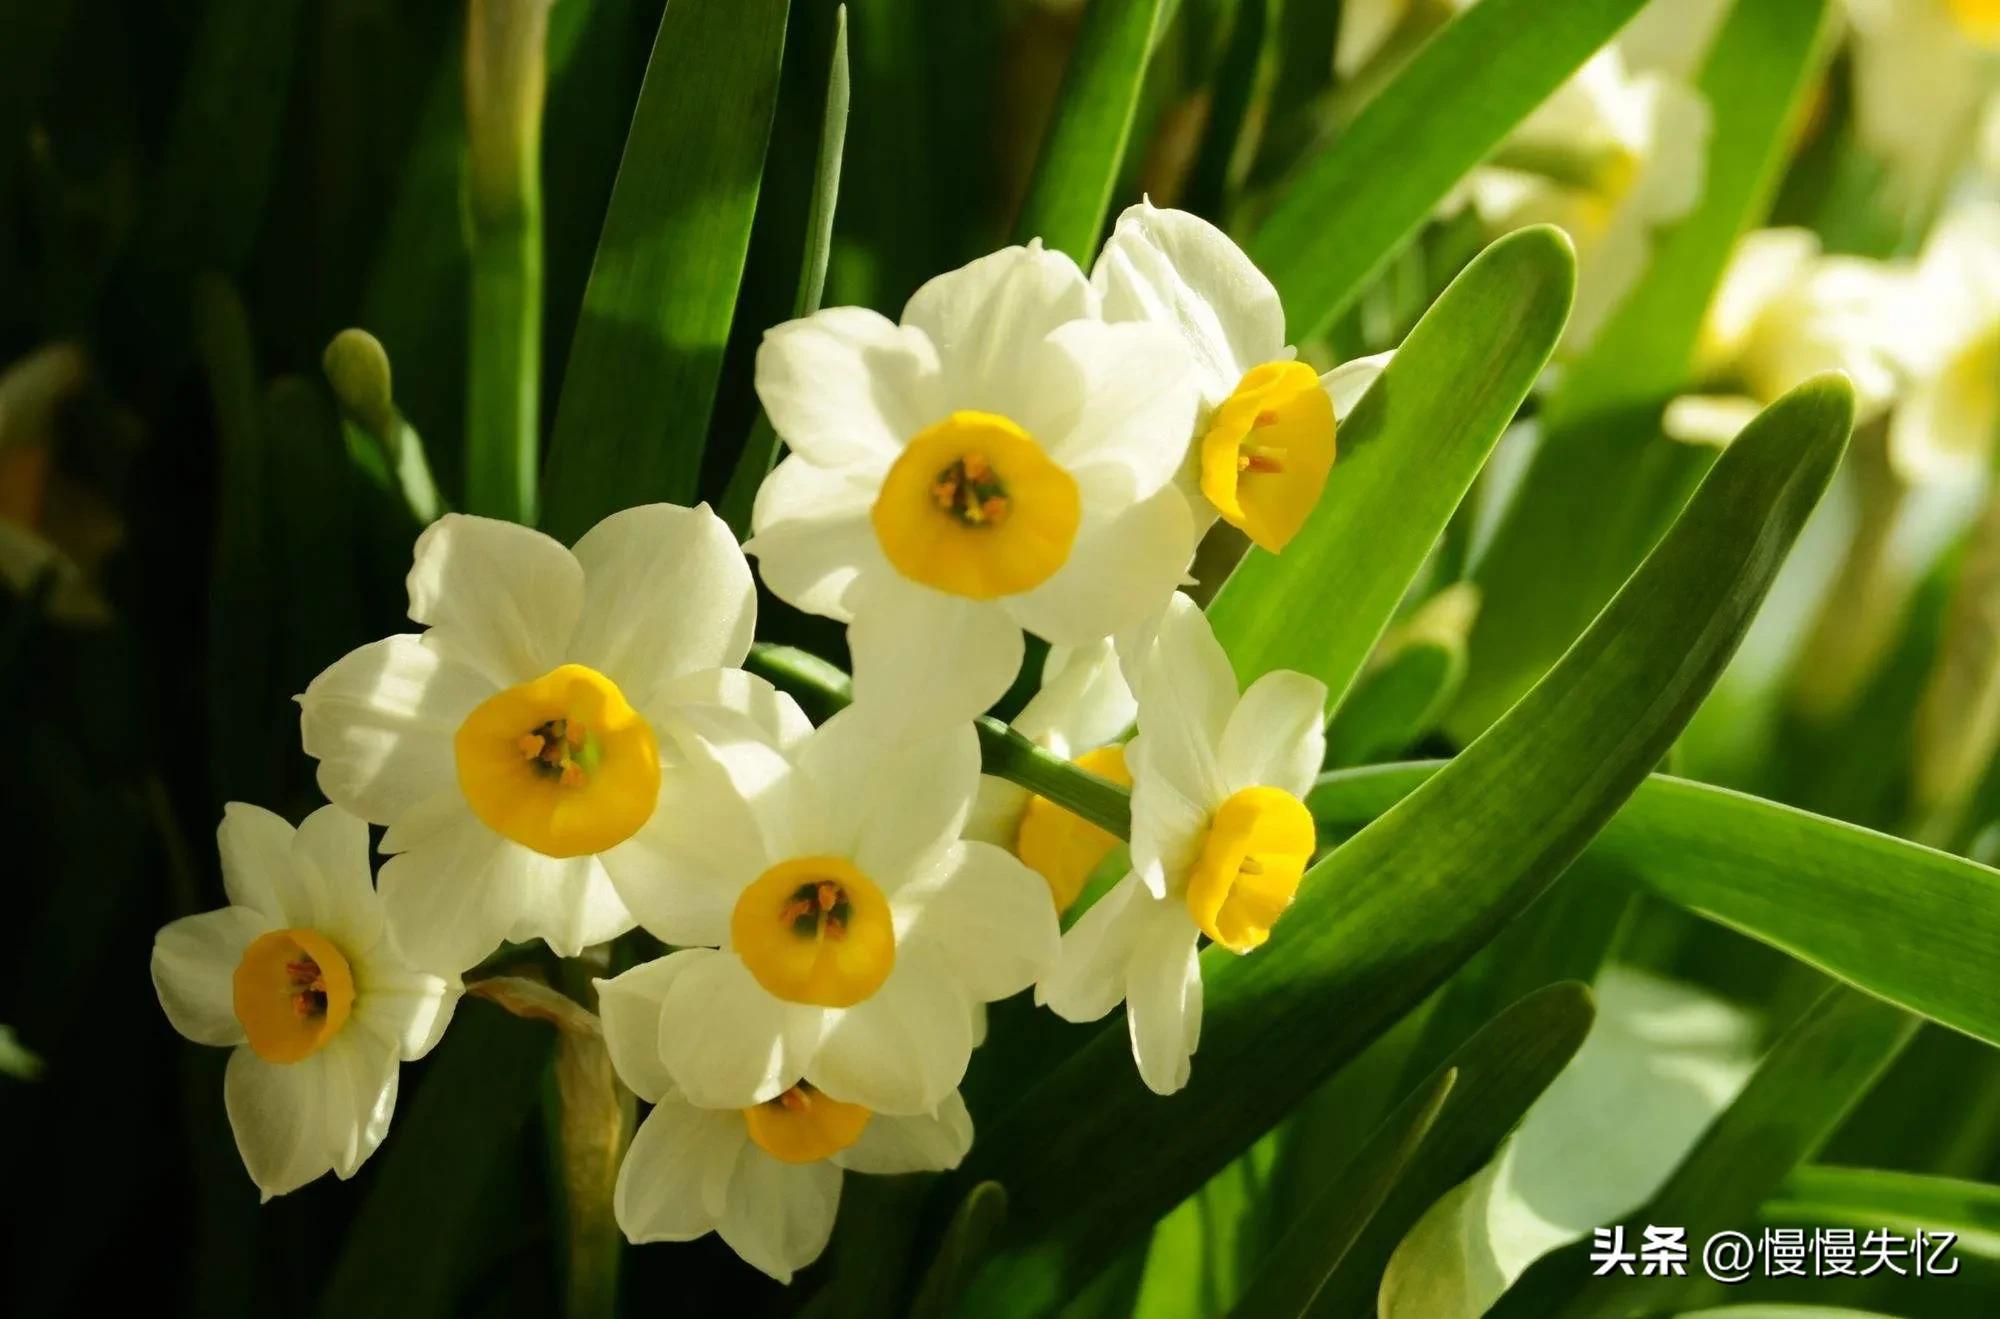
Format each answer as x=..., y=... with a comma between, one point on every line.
x=1085, y=147
x=406, y=1249
x=966, y=1240
x=1350, y=208
x=1389, y=914
x=640, y=381
x=761, y=449
x=1408, y=452
x=1901, y=921
x=1874, y=1197
x=1813, y=1075
x=1605, y=483
x=1306, y=1256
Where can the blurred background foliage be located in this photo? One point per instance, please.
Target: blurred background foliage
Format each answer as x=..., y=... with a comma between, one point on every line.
x=202, y=506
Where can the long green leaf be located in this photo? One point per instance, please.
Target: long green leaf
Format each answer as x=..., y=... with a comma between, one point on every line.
x=1088, y=1156
x=1903, y=922
x=1409, y=452
x=1813, y=1075
x=1605, y=483
x=1350, y=209
x=1872, y=1197
x=640, y=382
x=966, y=1238
x=1085, y=146
x=761, y=450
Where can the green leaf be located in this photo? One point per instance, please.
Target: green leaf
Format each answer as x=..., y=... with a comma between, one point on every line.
x=1813, y=1075
x=1900, y=921
x=1353, y=206
x=404, y=1251
x=966, y=1240
x=761, y=450
x=1306, y=1256
x=1085, y=146
x=1872, y=1197
x=1088, y=1156
x=642, y=369
x=1394, y=703
x=1409, y=451
x=1605, y=483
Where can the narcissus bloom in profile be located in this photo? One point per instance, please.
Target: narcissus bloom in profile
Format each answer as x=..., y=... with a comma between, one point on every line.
x=1000, y=461
x=765, y=1177
x=1782, y=313
x=1220, y=840
x=514, y=749
x=299, y=975
x=1080, y=713
x=855, y=934
x=1262, y=441
x=1946, y=336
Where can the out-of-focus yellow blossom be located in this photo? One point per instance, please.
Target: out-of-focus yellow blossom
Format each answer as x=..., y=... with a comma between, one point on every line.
x=1923, y=70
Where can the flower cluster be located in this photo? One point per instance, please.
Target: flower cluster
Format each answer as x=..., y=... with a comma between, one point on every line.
x=571, y=748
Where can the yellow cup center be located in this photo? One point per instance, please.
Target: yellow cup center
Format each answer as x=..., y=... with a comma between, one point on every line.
x=1064, y=848
x=561, y=764
x=1979, y=20
x=292, y=993
x=804, y=1126
x=1267, y=452
x=1257, y=849
x=815, y=930
x=973, y=506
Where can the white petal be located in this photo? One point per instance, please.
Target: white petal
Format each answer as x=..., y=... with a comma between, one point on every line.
x=726, y=705
x=279, y=1113
x=996, y=811
x=1708, y=418
x=1348, y=382
x=779, y=1215
x=985, y=916
x=1277, y=734
x=334, y=890
x=501, y=597
x=407, y=1007
x=681, y=874
x=846, y=385
x=727, y=1042
x=360, y=1075
x=1163, y=998
x=659, y=1192
x=1941, y=435
x=1083, y=702
x=567, y=901
x=256, y=849
x=903, y=1049
x=1179, y=271
x=1088, y=978
x=984, y=320
x=1131, y=435
x=441, y=811
x=929, y=1142
x=813, y=535
x=924, y=660
x=1118, y=572
x=891, y=806
x=629, y=1006
x=1186, y=693
x=194, y=962
x=666, y=592
x=380, y=722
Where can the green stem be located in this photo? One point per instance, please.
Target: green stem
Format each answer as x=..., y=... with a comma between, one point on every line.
x=504, y=370
x=1004, y=753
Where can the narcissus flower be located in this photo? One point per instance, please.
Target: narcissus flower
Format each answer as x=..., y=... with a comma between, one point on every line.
x=514, y=750
x=1923, y=70
x=300, y=976
x=1220, y=840
x=1262, y=442
x=1080, y=713
x=1947, y=341
x=765, y=1177
x=1782, y=313
x=856, y=933
x=999, y=461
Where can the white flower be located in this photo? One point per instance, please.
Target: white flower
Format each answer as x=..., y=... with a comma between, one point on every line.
x=767, y=1177
x=1220, y=839
x=1262, y=443
x=514, y=749
x=299, y=975
x=1922, y=70
x=1080, y=713
x=1784, y=312
x=1947, y=339
x=855, y=934
x=1001, y=460
x=1610, y=157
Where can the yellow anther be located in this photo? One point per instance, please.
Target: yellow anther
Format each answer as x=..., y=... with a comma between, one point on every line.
x=531, y=746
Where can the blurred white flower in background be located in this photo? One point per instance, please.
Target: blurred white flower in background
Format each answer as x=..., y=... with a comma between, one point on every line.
x=1922, y=70
x=1946, y=336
